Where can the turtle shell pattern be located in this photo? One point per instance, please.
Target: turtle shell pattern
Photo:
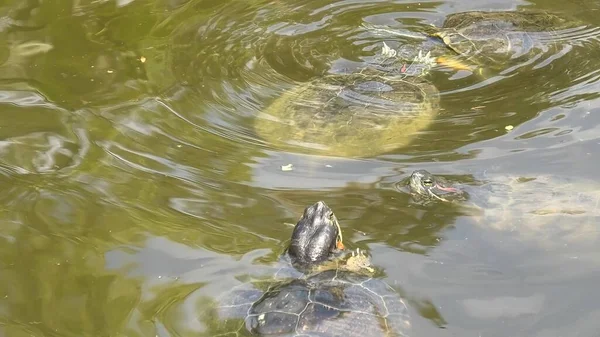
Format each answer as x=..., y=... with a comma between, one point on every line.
x=352, y=115
x=494, y=37
x=545, y=208
x=327, y=304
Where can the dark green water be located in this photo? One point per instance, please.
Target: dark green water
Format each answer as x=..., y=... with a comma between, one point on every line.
x=134, y=185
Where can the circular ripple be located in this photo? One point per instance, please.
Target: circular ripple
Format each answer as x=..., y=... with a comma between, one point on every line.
x=235, y=63
x=48, y=138
x=227, y=64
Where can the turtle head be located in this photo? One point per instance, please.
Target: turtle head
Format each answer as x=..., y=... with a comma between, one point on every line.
x=456, y=42
x=316, y=236
x=460, y=46
x=427, y=186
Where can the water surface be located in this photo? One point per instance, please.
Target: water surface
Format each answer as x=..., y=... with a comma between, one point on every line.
x=134, y=183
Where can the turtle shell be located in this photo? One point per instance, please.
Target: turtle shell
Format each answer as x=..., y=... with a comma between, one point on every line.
x=547, y=209
x=352, y=115
x=489, y=38
x=542, y=208
x=329, y=303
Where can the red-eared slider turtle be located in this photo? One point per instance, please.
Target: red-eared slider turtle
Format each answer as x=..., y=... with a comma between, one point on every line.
x=342, y=299
x=543, y=207
x=350, y=115
x=424, y=186
x=493, y=39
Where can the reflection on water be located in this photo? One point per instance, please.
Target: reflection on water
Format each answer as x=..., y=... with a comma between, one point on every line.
x=136, y=186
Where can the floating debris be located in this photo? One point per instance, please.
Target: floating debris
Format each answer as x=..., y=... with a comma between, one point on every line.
x=509, y=127
x=287, y=167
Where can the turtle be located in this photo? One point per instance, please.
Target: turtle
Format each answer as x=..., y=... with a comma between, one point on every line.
x=544, y=207
x=494, y=39
x=491, y=39
x=426, y=187
x=328, y=295
x=360, y=114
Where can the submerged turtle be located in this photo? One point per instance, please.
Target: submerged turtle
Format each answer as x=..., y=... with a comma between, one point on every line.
x=541, y=207
x=351, y=115
x=493, y=39
x=333, y=297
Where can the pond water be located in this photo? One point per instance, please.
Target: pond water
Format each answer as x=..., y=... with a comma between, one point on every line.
x=135, y=188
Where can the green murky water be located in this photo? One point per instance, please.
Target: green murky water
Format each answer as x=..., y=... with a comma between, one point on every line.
x=134, y=187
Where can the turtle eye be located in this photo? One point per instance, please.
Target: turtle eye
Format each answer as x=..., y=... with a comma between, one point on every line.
x=330, y=215
x=428, y=182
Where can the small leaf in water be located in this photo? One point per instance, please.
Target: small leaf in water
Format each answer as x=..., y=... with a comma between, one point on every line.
x=287, y=167
x=508, y=127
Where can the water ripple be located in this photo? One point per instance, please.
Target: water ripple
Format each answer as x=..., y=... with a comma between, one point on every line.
x=56, y=142
x=134, y=179
x=239, y=60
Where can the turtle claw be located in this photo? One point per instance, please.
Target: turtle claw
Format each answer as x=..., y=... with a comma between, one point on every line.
x=386, y=51
x=426, y=59
x=360, y=253
x=359, y=261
